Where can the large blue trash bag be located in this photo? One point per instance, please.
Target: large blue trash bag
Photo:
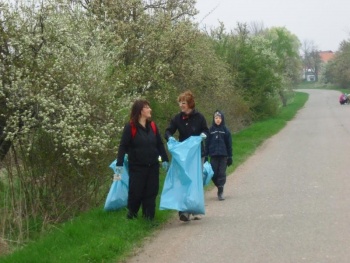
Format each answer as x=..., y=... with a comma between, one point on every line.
x=118, y=193
x=183, y=185
x=207, y=173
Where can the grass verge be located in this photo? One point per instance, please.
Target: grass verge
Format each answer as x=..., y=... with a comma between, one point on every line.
x=99, y=236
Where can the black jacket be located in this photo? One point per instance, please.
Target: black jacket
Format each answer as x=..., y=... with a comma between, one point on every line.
x=219, y=141
x=144, y=148
x=189, y=125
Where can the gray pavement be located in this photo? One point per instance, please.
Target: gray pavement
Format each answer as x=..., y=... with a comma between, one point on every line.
x=288, y=203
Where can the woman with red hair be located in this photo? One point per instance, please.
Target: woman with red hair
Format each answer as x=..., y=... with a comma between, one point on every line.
x=188, y=122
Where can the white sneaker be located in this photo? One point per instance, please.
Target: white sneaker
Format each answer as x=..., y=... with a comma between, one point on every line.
x=196, y=217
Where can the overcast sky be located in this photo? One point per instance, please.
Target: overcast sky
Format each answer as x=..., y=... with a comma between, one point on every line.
x=324, y=22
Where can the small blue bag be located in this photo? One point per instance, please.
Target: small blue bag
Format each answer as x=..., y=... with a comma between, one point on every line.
x=207, y=173
x=183, y=185
x=118, y=193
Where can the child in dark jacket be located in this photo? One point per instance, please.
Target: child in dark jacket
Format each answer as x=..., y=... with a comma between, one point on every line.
x=219, y=149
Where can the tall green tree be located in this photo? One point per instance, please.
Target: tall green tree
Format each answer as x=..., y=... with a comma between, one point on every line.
x=286, y=46
x=253, y=64
x=338, y=69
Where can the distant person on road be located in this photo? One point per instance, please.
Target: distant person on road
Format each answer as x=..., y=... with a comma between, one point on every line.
x=219, y=150
x=142, y=142
x=343, y=99
x=189, y=122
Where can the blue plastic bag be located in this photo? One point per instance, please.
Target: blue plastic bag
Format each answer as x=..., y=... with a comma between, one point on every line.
x=183, y=185
x=118, y=193
x=207, y=173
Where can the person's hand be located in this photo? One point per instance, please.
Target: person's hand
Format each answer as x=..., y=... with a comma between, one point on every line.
x=203, y=136
x=119, y=170
x=229, y=161
x=205, y=158
x=117, y=177
x=165, y=166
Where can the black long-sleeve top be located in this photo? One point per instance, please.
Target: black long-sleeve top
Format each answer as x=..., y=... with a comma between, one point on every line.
x=192, y=124
x=144, y=149
x=219, y=141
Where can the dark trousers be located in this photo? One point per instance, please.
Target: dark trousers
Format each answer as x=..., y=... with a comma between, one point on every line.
x=219, y=164
x=143, y=190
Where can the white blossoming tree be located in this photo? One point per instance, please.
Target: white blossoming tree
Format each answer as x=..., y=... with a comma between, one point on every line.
x=57, y=113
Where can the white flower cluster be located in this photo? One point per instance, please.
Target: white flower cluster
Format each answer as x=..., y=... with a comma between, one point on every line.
x=59, y=86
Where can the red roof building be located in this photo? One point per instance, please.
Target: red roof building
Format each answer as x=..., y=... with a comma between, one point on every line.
x=326, y=55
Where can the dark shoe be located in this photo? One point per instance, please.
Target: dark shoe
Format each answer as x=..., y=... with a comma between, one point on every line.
x=221, y=197
x=184, y=217
x=196, y=217
x=131, y=215
x=148, y=218
x=221, y=193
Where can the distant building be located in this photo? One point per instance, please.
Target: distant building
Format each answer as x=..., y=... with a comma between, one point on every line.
x=313, y=74
x=326, y=56
x=310, y=75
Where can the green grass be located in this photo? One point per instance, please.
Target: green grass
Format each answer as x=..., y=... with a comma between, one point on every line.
x=316, y=85
x=99, y=236
x=320, y=85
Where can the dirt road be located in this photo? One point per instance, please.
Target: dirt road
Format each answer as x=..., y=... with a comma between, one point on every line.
x=289, y=202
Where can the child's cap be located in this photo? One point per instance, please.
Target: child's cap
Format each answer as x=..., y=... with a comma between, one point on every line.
x=217, y=114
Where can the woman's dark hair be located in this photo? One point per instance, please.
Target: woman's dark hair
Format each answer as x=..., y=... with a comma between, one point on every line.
x=136, y=109
x=188, y=97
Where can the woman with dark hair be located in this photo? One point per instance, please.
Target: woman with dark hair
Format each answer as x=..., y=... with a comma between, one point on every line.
x=188, y=122
x=143, y=144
